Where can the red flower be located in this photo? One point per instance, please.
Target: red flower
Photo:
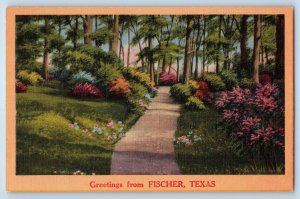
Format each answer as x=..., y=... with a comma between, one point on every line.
x=86, y=90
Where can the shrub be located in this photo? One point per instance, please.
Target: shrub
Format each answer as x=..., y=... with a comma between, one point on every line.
x=214, y=81
x=255, y=119
x=29, y=78
x=193, y=85
x=138, y=76
x=85, y=90
x=21, y=87
x=138, y=90
x=83, y=77
x=202, y=85
x=247, y=83
x=120, y=88
x=63, y=75
x=193, y=103
x=265, y=79
x=180, y=92
x=167, y=79
x=229, y=78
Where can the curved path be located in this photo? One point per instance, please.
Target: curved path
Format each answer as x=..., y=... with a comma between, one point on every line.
x=147, y=147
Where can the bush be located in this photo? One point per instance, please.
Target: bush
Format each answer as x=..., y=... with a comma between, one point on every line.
x=180, y=92
x=193, y=103
x=167, y=79
x=247, y=83
x=138, y=76
x=29, y=78
x=85, y=90
x=229, y=78
x=138, y=90
x=63, y=75
x=120, y=88
x=21, y=87
x=83, y=77
x=265, y=79
x=193, y=85
x=214, y=81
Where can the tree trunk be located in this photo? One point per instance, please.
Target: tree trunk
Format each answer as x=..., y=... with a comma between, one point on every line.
x=114, y=47
x=87, y=29
x=279, y=57
x=257, y=43
x=177, y=71
x=203, y=47
x=75, y=34
x=128, y=50
x=150, y=59
x=219, y=45
x=110, y=28
x=46, y=49
x=187, y=54
x=243, y=44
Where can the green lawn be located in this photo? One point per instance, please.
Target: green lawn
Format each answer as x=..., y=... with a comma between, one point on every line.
x=45, y=142
x=214, y=153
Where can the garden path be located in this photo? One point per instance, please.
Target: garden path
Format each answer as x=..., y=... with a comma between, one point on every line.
x=148, y=145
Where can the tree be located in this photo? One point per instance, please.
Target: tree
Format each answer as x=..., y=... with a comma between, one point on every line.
x=188, y=53
x=46, y=47
x=87, y=28
x=114, y=47
x=256, y=48
x=243, y=44
x=279, y=58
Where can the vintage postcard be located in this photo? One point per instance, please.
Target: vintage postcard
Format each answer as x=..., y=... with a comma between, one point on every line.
x=150, y=99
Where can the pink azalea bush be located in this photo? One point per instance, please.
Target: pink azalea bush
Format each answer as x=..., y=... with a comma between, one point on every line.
x=167, y=79
x=256, y=119
x=85, y=90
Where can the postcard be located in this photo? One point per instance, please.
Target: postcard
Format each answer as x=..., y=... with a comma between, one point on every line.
x=150, y=99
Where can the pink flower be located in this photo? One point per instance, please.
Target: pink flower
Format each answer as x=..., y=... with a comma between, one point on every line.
x=110, y=124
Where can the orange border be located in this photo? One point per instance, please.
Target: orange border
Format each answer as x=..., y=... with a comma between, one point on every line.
x=224, y=183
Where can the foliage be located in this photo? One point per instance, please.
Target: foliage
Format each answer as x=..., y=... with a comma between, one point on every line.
x=247, y=83
x=265, y=79
x=194, y=103
x=21, y=87
x=83, y=77
x=214, y=81
x=120, y=87
x=229, y=78
x=180, y=92
x=193, y=85
x=256, y=121
x=167, y=79
x=85, y=90
x=133, y=73
x=29, y=78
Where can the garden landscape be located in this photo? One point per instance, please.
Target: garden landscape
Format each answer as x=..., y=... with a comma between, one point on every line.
x=150, y=94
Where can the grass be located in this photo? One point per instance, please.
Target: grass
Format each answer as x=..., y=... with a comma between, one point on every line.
x=45, y=142
x=214, y=153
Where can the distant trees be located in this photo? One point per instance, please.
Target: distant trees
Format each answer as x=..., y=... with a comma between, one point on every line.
x=195, y=44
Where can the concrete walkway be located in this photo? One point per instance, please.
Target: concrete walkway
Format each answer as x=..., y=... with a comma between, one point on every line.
x=148, y=145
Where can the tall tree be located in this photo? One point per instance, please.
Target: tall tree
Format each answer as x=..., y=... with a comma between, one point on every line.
x=256, y=48
x=46, y=47
x=87, y=28
x=188, y=53
x=114, y=47
x=243, y=44
x=279, y=57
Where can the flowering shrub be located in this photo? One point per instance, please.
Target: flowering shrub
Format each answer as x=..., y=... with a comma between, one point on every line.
x=83, y=77
x=193, y=85
x=167, y=79
x=180, y=92
x=120, y=87
x=85, y=90
x=29, y=78
x=21, y=87
x=193, y=103
x=255, y=118
x=138, y=76
x=214, y=81
x=265, y=79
